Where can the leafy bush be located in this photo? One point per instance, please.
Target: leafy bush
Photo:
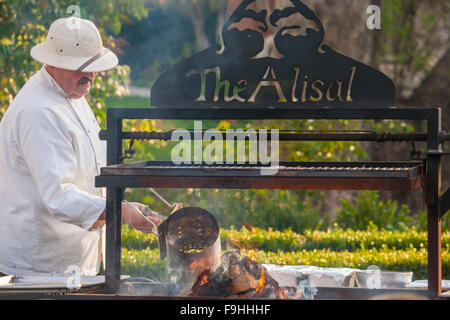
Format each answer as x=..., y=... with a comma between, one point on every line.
x=278, y=209
x=146, y=262
x=135, y=240
x=336, y=239
x=422, y=221
x=266, y=240
x=24, y=23
x=340, y=240
x=369, y=209
x=390, y=250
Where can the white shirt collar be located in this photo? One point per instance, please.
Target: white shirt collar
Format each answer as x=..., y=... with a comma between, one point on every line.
x=52, y=82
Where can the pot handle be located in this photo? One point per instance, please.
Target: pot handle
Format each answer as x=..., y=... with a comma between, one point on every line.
x=162, y=240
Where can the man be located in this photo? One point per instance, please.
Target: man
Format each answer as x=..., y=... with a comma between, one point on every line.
x=51, y=214
x=272, y=57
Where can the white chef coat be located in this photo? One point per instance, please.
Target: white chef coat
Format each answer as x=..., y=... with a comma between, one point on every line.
x=50, y=153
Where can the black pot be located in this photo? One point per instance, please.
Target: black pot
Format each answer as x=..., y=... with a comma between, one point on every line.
x=190, y=239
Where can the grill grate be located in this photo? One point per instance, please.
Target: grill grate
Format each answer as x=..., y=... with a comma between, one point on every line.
x=294, y=169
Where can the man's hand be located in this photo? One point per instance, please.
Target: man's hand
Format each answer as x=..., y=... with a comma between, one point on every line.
x=101, y=221
x=136, y=220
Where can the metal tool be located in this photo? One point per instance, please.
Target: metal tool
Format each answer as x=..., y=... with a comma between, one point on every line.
x=150, y=213
x=162, y=199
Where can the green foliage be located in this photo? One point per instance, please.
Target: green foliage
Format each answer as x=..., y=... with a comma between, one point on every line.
x=24, y=23
x=135, y=240
x=390, y=250
x=144, y=263
x=279, y=209
x=387, y=260
x=335, y=239
x=422, y=221
x=369, y=209
x=127, y=102
x=147, y=263
x=408, y=37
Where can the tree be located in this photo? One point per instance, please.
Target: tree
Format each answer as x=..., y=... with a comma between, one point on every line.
x=198, y=12
x=24, y=23
x=414, y=38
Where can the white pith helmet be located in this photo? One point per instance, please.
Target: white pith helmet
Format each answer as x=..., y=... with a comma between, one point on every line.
x=74, y=44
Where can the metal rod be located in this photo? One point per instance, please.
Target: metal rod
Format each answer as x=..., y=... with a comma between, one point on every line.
x=162, y=199
x=433, y=185
x=288, y=136
x=113, y=239
x=272, y=113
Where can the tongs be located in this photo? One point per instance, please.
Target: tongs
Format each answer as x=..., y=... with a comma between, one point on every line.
x=147, y=212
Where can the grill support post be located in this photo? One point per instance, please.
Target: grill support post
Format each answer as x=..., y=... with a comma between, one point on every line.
x=433, y=187
x=114, y=198
x=113, y=239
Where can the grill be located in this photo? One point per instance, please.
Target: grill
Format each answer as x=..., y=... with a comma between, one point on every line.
x=404, y=175
x=290, y=175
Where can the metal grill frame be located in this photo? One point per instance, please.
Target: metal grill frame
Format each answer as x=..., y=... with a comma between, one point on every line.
x=437, y=205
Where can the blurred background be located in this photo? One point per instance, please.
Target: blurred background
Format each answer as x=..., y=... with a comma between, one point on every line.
x=412, y=48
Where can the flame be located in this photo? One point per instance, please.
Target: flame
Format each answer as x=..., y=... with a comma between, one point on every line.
x=283, y=293
x=199, y=265
x=203, y=279
x=262, y=282
x=194, y=265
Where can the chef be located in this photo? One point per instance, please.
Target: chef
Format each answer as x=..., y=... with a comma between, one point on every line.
x=51, y=214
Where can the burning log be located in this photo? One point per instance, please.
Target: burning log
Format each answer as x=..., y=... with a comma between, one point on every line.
x=237, y=277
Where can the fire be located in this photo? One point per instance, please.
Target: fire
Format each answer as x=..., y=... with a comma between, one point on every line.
x=262, y=282
x=199, y=265
x=283, y=293
x=203, y=279
x=204, y=273
x=194, y=265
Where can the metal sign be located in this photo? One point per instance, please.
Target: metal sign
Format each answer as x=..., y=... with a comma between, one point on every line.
x=272, y=58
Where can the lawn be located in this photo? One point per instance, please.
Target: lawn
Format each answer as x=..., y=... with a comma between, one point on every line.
x=128, y=102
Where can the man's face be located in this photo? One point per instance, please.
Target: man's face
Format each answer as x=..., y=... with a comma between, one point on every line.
x=285, y=23
x=74, y=83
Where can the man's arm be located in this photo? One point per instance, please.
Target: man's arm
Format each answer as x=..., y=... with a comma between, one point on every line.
x=47, y=147
x=132, y=218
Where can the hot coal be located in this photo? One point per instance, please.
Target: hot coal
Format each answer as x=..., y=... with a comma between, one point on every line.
x=237, y=276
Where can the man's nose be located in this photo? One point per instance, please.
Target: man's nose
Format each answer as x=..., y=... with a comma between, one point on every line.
x=90, y=74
